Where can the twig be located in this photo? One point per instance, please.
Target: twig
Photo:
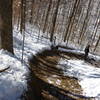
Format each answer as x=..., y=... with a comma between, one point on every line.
x=4, y=69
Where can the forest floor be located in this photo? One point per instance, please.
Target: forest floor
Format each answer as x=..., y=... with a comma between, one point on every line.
x=57, y=75
x=54, y=77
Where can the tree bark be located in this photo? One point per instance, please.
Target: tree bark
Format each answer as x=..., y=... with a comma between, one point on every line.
x=54, y=21
x=47, y=14
x=83, y=30
x=6, y=35
x=23, y=8
x=71, y=19
x=97, y=43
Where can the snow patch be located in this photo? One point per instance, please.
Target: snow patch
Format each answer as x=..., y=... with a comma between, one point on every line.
x=88, y=75
x=13, y=80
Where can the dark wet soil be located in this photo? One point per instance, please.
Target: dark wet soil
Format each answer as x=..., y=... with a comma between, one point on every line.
x=47, y=81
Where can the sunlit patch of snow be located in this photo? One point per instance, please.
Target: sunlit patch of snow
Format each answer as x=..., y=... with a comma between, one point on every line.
x=55, y=76
x=31, y=46
x=50, y=81
x=67, y=45
x=88, y=75
x=72, y=51
x=91, y=86
x=58, y=82
x=53, y=80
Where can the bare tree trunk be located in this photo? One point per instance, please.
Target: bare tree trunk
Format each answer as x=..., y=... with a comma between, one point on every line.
x=23, y=9
x=6, y=35
x=37, y=13
x=54, y=21
x=97, y=43
x=19, y=18
x=31, y=13
x=48, y=10
x=71, y=19
x=85, y=23
x=96, y=27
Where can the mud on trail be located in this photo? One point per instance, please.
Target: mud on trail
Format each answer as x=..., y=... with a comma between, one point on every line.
x=48, y=81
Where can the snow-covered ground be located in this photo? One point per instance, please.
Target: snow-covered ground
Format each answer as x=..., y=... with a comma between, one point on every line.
x=13, y=81
x=31, y=45
x=88, y=75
